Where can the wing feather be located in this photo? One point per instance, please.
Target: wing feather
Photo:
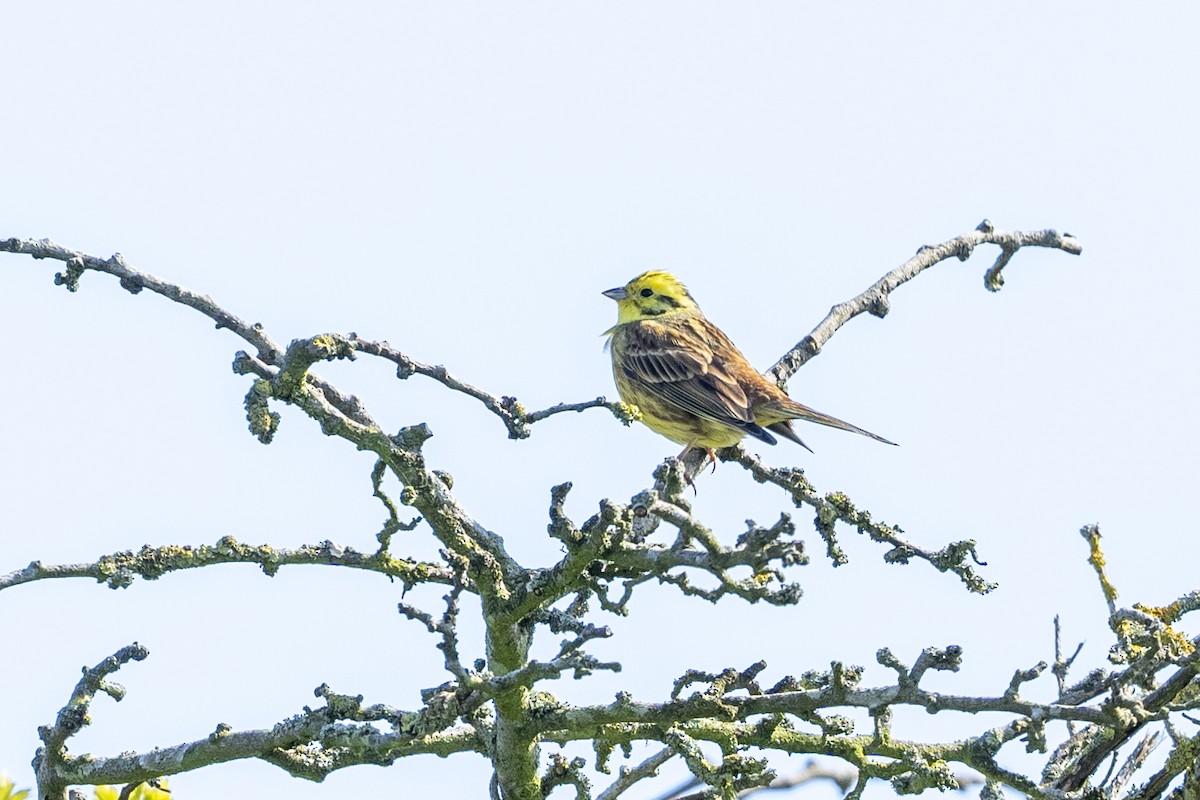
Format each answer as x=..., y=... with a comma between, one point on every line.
x=677, y=365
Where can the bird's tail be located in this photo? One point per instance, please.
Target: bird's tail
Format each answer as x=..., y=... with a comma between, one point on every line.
x=796, y=410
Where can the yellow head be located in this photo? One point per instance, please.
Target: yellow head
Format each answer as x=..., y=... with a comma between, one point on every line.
x=651, y=295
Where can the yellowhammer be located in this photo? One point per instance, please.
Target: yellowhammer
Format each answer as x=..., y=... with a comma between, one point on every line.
x=690, y=382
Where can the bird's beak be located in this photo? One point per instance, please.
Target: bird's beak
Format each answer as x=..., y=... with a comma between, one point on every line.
x=616, y=294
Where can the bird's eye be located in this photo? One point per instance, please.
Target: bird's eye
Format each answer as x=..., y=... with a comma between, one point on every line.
x=647, y=293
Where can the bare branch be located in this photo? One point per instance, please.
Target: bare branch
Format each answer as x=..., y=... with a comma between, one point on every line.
x=628, y=776
x=52, y=759
x=119, y=569
x=845, y=778
x=134, y=281
x=827, y=692
x=310, y=745
x=836, y=506
x=1081, y=758
x=1132, y=764
x=447, y=628
x=508, y=409
x=876, y=299
x=392, y=524
x=563, y=772
x=1062, y=666
x=490, y=568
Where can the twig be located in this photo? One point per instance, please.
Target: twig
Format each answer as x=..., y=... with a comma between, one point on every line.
x=1062, y=666
x=52, y=760
x=630, y=775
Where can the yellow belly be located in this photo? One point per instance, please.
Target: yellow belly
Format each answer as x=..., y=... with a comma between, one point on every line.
x=675, y=423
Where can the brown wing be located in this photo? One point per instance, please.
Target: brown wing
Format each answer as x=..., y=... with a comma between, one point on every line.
x=675, y=361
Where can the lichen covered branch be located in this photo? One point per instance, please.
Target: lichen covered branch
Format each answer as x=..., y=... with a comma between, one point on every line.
x=119, y=570
x=310, y=745
x=835, y=507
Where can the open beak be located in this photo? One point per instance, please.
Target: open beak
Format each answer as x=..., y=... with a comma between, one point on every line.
x=616, y=294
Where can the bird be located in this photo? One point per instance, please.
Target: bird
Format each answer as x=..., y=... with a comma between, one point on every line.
x=688, y=379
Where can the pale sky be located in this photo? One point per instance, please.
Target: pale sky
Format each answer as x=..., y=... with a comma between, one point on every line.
x=463, y=180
